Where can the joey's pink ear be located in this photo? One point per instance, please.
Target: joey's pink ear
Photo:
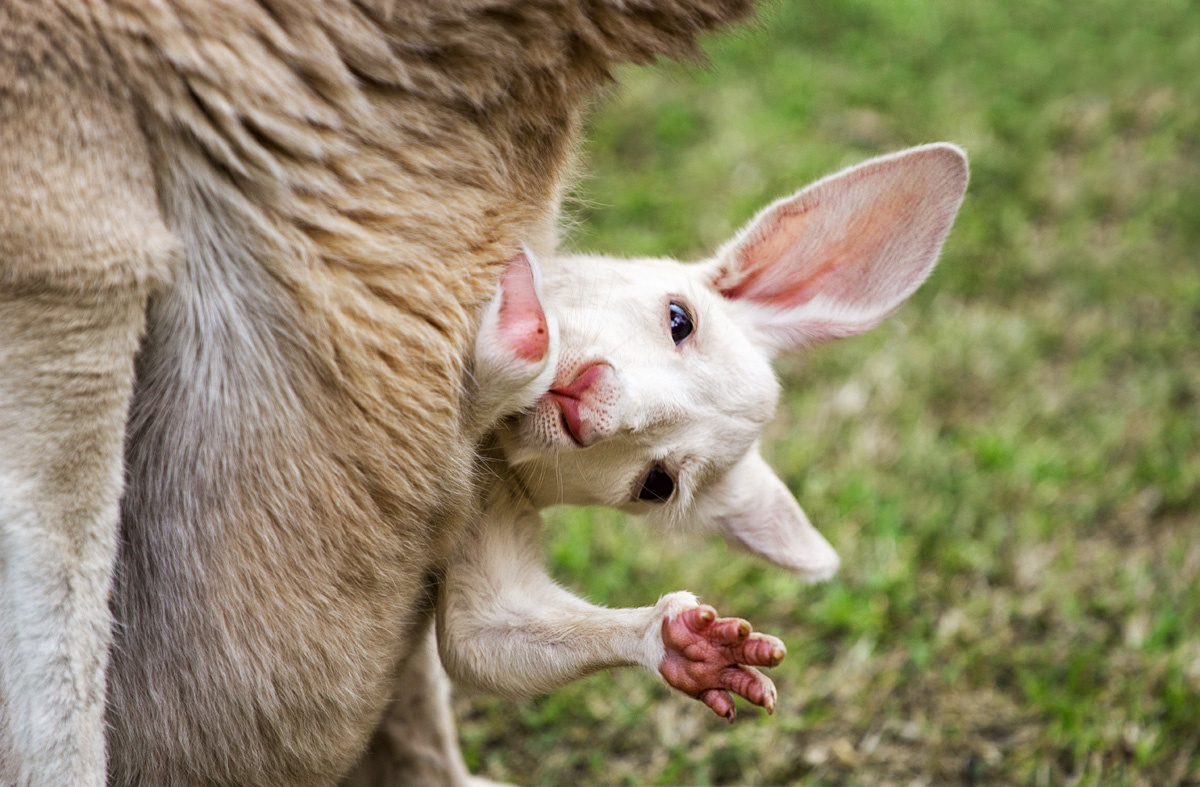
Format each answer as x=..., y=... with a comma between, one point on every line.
x=521, y=321
x=515, y=347
x=756, y=512
x=838, y=257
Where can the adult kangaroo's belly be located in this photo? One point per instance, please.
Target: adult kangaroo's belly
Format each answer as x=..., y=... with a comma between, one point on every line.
x=296, y=469
x=290, y=492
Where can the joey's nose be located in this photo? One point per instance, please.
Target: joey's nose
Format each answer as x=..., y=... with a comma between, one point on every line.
x=587, y=402
x=585, y=379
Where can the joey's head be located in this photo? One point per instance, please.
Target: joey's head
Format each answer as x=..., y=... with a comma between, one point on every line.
x=657, y=389
x=663, y=379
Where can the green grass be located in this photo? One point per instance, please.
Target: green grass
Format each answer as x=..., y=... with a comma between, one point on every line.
x=1010, y=467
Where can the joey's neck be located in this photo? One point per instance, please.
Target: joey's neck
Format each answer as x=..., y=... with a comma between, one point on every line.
x=499, y=485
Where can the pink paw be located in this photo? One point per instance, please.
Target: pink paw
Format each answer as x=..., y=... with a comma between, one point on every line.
x=708, y=657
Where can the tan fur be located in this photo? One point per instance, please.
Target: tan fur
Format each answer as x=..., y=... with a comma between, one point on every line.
x=416, y=742
x=301, y=207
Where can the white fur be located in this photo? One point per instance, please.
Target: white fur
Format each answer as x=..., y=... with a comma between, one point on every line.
x=697, y=409
x=505, y=626
x=44, y=641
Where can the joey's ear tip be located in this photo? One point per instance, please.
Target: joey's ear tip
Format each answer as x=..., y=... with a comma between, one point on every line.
x=949, y=156
x=528, y=263
x=948, y=149
x=527, y=253
x=820, y=572
x=817, y=561
x=515, y=268
x=521, y=275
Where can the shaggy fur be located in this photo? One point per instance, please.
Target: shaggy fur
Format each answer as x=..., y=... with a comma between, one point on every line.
x=291, y=212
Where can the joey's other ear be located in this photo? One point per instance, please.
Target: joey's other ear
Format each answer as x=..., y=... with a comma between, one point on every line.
x=838, y=257
x=755, y=511
x=514, y=346
x=520, y=324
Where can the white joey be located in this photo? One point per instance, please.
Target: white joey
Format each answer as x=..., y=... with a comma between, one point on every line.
x=647, y=390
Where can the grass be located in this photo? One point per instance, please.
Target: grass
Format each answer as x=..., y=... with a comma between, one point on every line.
x=1010, y=467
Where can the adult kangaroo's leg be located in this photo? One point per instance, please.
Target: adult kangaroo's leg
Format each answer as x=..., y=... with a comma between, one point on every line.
x=80, y=244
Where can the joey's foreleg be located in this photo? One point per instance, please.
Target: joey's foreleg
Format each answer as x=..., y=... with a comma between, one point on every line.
x=504, y=625
x=61, y=424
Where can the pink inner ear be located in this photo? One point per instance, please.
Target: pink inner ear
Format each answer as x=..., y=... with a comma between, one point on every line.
x=522, y=325
x=798, y=253
x=858, y=243
x=763, y=272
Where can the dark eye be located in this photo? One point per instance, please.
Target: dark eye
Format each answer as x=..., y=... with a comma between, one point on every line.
x=681, y=322
x=657, y=487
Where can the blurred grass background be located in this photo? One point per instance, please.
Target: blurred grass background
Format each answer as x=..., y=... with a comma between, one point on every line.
x=1010, y=467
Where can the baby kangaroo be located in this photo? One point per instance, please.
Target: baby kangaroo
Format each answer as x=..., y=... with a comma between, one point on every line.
x=644, y=385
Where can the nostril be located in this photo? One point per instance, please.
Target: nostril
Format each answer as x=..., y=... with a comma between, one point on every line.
x=584, y=380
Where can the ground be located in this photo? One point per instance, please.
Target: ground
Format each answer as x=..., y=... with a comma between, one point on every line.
x=1010, y=467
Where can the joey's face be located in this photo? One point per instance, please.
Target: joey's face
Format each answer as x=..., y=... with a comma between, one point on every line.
x=656, y=392
x=663, y=380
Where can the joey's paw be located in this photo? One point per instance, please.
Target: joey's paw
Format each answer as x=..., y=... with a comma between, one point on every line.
x=708, y=658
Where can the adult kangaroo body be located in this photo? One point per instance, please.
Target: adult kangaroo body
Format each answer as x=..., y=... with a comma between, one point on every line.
x=242, y=249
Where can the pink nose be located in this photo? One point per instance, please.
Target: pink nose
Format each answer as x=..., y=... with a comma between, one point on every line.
x=586, y=402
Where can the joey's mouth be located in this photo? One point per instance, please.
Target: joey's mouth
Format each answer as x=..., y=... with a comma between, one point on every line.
x=583, y=396
x=568, y=417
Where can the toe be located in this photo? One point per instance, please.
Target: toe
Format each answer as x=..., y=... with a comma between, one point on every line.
x=698, y=618
x=760, y=650
x=720, y=702
x=750, y=683
x=728, y=631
